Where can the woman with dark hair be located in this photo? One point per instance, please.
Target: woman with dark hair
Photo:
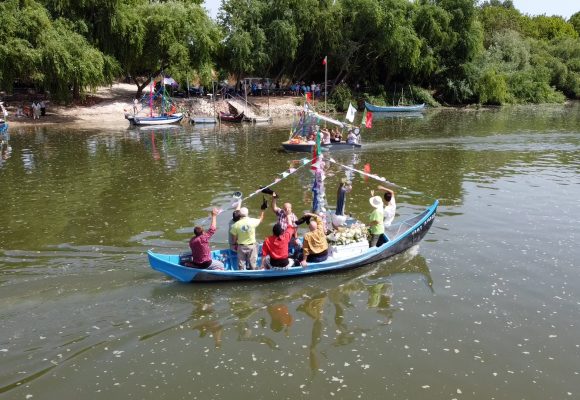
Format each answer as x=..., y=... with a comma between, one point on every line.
x=390, y=206
x=275, y=247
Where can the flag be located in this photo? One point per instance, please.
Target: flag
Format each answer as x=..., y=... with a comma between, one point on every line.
x=350, y=113
x=369, y=119
x=364, y=120
x=308, y=96
x=325, y=60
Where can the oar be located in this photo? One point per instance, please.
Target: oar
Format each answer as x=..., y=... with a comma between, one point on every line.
x=373, y=176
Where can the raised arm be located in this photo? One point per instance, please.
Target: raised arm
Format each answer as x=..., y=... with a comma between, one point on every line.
x=385, y=189
x=274, y=207
x=214, y=214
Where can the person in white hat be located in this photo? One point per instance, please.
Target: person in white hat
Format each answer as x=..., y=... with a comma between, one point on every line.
x=377, y=229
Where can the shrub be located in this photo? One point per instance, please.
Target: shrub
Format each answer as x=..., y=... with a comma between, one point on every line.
x=341, y=96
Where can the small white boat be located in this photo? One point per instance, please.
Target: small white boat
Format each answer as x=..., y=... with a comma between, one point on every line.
x=259, y=119
x=203, y=120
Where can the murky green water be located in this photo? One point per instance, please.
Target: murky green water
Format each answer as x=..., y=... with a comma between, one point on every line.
x=487, y=307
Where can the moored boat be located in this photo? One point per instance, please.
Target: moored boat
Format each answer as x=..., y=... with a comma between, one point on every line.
x=407, y=108
x=401, y=236
x=155, y=120
x=226, y=117
x=203, y=120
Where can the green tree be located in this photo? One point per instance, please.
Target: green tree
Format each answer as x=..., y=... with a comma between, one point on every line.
x=575, y=21
x=48, y=53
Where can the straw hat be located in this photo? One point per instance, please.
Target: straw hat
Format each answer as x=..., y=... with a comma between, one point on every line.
x=376, y=201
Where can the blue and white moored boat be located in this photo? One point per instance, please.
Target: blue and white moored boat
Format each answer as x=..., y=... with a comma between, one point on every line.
x=155, y=120
x=409, y=108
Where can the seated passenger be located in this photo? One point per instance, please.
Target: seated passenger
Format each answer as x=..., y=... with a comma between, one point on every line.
x=199, y=245
x=337, y=136
x=314, y=246
x=275, y=248
x=352, y=137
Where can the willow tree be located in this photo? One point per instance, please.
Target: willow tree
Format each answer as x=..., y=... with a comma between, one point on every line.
x=48, y=53
x=146, y=37
x=175, y=37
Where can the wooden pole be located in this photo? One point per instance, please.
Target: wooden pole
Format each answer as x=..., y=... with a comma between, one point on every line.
x=325, y=80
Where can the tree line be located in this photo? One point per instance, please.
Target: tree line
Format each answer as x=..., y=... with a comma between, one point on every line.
x=449, y=51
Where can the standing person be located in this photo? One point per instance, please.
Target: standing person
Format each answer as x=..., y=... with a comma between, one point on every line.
x=339, y=217
x=244, y=236
x=135, y=105
x=315, y=245
x=275, y=247
x=35, y=110
x=199, y=245
x=285, y=215
x=43, y=108
x=286, y=218
x=390, y=206
x=325, y=136
x=377, y=229
x=236, y=216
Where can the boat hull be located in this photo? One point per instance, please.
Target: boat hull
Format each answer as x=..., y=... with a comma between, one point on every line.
x=403, y=236
x=231, y=118
x=161, y=120
x=203, y=120
x=412, y=108
x=307, y=147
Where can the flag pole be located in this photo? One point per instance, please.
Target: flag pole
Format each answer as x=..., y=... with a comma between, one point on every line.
x=325, y=81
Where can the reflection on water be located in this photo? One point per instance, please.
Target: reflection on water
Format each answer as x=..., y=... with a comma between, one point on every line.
x=323, y=312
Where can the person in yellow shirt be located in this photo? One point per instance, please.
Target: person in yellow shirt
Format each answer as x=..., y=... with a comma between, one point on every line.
x=377, y=229
x=315, y=245
x=244, y=239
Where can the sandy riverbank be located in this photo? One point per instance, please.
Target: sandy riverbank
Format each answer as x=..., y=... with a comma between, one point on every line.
x=106, y=109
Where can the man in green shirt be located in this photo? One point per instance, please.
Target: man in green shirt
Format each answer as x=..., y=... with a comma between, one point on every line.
x=244, y=238
x=377, y=228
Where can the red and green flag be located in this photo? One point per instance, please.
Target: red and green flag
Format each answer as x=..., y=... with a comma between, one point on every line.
x=367, y=120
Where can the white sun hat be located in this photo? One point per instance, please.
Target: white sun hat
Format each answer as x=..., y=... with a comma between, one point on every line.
x=376, y=201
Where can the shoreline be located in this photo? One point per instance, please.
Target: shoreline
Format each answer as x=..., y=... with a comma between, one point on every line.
x=107, y=107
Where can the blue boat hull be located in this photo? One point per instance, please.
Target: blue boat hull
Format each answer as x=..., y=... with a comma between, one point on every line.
x=402, y=236
x=161, y=120
x=413, y=108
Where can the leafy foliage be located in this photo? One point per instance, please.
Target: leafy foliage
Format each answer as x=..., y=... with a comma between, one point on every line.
x=460, y=51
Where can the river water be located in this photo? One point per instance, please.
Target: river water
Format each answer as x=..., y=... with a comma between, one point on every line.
x=486, y=307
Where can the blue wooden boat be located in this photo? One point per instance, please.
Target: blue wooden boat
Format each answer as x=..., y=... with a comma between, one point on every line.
x=155, y=120
x=401, y=237
x=305, y=147
x=410, y=108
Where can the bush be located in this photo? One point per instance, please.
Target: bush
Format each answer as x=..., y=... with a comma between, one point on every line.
x=421, y=95
x=531, y=86
x=341, y=96
x=457, y=91
x=492, y=88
